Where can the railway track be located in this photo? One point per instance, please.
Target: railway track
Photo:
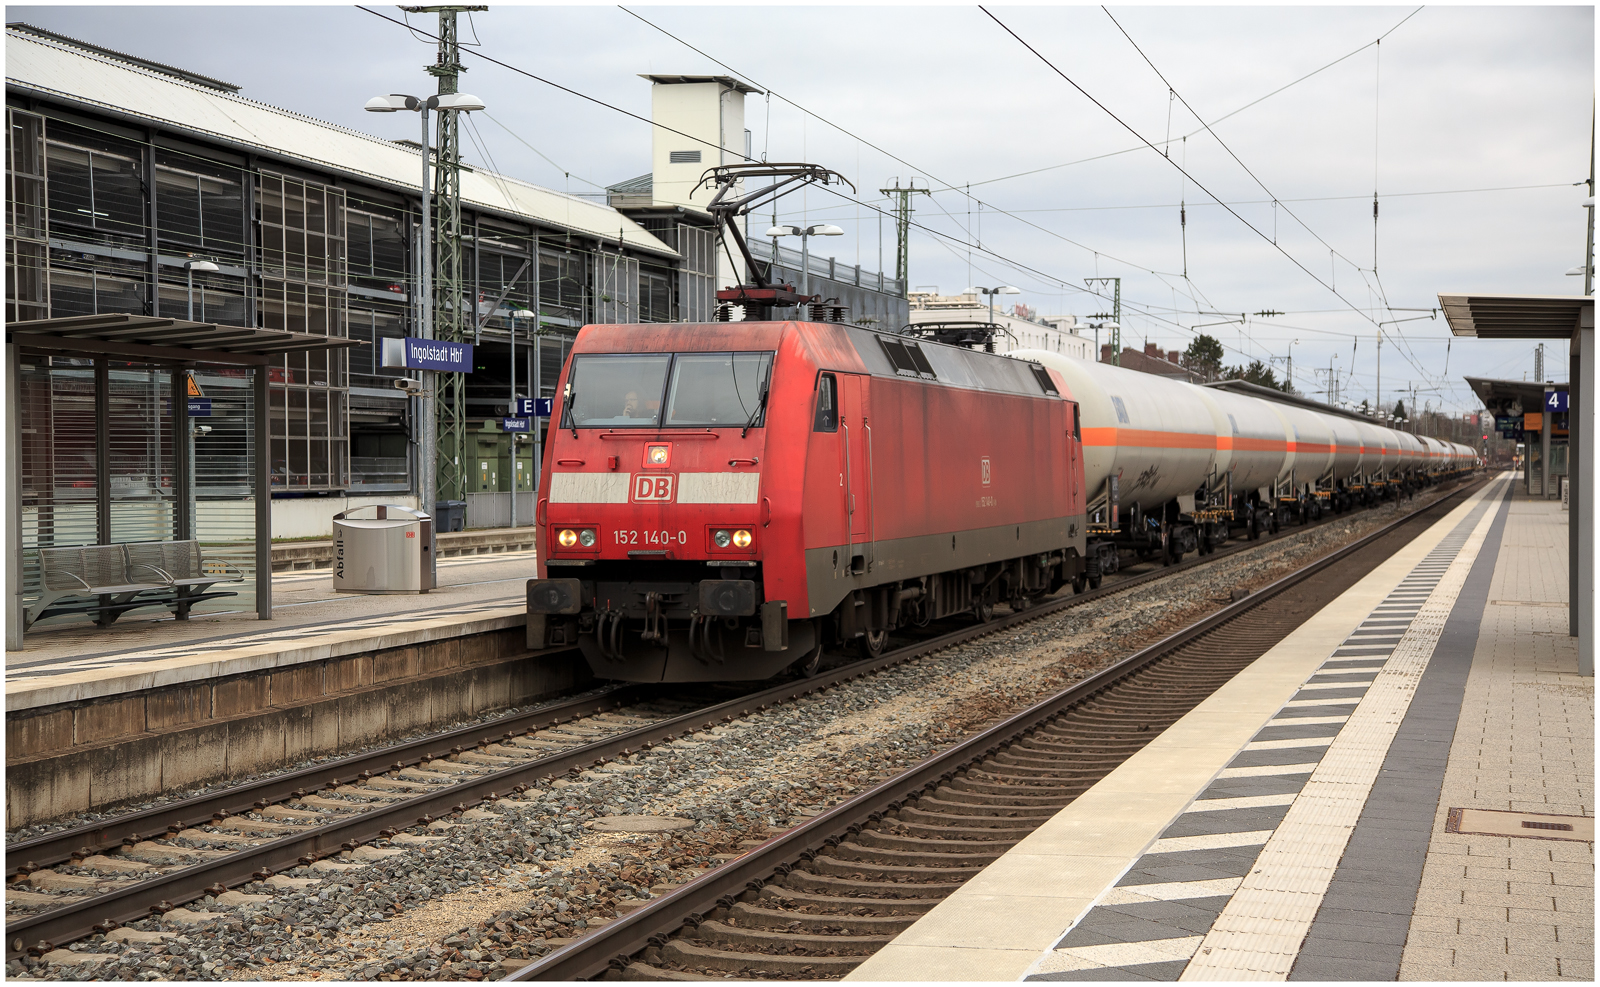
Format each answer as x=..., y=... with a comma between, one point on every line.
x=148, y=861
x=816, y=901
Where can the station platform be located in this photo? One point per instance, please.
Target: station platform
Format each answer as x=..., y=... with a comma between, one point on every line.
x=1400, y=789
x=79, y=661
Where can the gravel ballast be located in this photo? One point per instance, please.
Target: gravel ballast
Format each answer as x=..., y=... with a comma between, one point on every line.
x=510, y=881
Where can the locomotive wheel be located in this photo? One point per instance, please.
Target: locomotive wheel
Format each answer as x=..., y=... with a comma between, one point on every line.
x=872, y=644
x=811, y=663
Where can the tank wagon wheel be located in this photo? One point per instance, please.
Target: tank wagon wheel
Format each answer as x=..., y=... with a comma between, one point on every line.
x=983, y=611
x=1275, y=523
x=1254, y=526
x=1094, y=582
x=872, y=644
x=1080, y=584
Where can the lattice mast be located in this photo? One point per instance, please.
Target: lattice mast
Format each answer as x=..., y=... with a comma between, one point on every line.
x=449, y=282
x=902, y=230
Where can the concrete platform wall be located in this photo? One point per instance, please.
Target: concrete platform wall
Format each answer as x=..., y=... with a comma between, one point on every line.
x=130, y=748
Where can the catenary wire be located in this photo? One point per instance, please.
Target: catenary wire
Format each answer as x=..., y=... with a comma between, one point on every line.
x=1198, y=184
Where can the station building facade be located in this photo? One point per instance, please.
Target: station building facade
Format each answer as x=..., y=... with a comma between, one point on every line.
x=121, y=172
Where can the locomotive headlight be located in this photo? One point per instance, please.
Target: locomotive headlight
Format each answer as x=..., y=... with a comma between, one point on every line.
x=657, y=455
x=722, y=539
x=567, y=538
x=586, y=538
x=741, y=539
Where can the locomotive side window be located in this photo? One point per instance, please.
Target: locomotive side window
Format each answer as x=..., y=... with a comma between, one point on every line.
x=827, y=405
x=907, y=358
x=1043, y=377
x=718, y=389
x=615, y=391
x=1077, y=423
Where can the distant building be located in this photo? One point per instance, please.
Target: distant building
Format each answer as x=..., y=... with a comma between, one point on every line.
x=1020, y=329
x=1153, y=361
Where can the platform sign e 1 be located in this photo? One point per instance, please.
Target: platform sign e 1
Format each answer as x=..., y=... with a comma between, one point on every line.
x=1555, y=401
x=514, y=424
x=534, y=407
x=427, y=354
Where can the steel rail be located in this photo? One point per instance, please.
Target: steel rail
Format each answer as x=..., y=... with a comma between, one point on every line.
x=136, y=901
x=105, y=834
x=616, y=943
x=82, y=918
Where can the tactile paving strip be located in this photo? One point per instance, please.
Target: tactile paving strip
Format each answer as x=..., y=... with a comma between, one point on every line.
x=1232, y=885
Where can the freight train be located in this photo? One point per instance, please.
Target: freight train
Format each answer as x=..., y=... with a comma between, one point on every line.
x=722, y=501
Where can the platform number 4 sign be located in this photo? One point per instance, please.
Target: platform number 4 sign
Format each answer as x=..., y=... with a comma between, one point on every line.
x=1555, y=402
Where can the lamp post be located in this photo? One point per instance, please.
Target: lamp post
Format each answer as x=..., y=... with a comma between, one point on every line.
x=805, y=234
x=1004, y=289
x=189, y=267
x=516, y=463
x=427, y=469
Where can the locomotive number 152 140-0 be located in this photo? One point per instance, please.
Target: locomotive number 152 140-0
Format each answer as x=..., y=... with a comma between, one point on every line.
x=651, y=537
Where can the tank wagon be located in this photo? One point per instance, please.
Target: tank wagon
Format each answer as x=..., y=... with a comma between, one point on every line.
x=721, y=501
x=1172, y=468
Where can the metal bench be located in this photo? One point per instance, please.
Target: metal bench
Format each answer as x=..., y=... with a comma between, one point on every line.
x=180, y=566
x=106, y=581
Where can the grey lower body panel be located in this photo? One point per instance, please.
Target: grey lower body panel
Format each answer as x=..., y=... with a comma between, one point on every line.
x=830, y=578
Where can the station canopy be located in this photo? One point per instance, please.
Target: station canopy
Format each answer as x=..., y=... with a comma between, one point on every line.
x=1515, y=316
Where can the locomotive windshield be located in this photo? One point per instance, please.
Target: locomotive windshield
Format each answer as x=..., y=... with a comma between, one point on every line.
x=621, y=391
x=626, y=390
x=713, y=389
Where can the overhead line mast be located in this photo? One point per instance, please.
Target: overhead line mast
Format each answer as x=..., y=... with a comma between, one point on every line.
x=449, y=298
x=902, y=230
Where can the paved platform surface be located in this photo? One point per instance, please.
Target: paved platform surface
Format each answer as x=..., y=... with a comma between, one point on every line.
x=1298, y=824
x=78, y=660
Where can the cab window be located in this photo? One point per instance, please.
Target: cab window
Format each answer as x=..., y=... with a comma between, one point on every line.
x=827, y=419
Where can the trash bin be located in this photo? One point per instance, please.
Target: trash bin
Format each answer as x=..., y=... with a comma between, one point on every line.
x=451, y=515
x=382, y=548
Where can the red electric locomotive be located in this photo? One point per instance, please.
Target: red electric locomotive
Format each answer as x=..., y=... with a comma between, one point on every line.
x=720, y=501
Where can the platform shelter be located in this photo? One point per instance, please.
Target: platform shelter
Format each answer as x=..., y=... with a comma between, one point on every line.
x=1571, y=318
x=132, y=430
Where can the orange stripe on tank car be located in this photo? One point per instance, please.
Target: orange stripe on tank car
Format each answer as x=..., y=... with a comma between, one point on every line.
x=1151, y=439
x=1262, y=445
x=1147, y=439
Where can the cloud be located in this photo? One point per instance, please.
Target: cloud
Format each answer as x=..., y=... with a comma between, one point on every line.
x=1460, y=98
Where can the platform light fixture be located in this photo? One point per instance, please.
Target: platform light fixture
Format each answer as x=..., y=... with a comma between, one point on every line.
x=1004, y=289
x=520, y=313
x=189, y=267
x=805, y=234
x=427, y=468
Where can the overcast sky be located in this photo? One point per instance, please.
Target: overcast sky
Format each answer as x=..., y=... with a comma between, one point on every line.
x=1454, y=101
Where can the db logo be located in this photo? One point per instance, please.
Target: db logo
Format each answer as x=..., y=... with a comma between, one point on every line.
x=653, y=487
x=984, y=464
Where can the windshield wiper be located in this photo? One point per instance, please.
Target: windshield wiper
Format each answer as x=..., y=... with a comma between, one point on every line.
x=750, y=422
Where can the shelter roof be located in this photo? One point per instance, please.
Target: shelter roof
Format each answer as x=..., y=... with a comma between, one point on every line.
x=1284, y=397
x=112, y=85
x=1489, y=316
x=166, y=340
x=727, y=80
x=1500, y=395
